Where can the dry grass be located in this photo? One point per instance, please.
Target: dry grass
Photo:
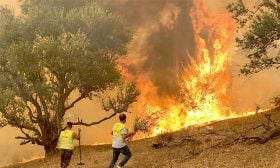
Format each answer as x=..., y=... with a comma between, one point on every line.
x=192, y=147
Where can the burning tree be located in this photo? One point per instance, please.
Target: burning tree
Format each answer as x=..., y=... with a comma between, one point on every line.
x=56, y=48
x=202, y=86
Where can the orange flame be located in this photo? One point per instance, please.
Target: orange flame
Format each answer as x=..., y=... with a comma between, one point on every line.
x=204, y=85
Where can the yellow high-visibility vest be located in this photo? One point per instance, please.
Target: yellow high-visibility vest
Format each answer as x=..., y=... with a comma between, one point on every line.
x=66, y=140
x=117, y=128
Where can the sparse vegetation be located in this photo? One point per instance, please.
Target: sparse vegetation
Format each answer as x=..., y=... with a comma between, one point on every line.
x=216, y=145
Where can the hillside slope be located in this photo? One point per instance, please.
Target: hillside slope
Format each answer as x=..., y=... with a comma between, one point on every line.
x=221, y=144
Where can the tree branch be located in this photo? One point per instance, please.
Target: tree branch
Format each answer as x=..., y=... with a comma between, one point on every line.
x=45, y=108
x=36, y=105
x=71, y=105
x=25, y=142
x=31, y=116
x=20, y=137
x=36, y=131
x=27, y=139
x=26, y=134
x=253, y=13
x=96, y=122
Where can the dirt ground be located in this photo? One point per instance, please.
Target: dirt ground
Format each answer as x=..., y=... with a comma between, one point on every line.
x=213, y=146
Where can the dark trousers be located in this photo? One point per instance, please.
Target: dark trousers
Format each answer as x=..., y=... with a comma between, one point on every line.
x=116, y=153
x=65, y=157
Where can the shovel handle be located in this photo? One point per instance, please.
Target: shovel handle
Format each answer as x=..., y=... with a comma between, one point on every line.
x=80, y=150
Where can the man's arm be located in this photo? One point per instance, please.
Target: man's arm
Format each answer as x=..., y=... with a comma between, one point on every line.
x=75, y=136
x=128, y=135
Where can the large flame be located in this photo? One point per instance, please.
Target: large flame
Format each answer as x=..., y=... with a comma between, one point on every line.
x=204, y=84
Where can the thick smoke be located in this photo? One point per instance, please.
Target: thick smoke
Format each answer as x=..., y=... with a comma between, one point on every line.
x=162, y=42
x=163, y=39
x=12, y=152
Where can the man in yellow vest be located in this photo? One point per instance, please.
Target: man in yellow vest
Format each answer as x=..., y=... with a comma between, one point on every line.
x=66, y=144
x=119, y=144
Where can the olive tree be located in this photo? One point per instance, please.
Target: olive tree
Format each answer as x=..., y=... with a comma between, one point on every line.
x=53, y=49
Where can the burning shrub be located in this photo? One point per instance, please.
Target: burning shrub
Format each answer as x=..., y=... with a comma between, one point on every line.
x=140, y=125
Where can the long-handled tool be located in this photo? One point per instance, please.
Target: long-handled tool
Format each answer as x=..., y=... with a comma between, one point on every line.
x=80, y=150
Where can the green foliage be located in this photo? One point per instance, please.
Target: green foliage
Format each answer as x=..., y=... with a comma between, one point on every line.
x=124, y=96
x=239, y=11
x=55, y=48
x=260, y=29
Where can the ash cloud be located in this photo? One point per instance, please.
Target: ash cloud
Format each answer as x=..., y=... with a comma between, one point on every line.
x=164, y=38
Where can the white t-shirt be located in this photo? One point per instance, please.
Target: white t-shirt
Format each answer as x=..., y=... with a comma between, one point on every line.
x=119, y=142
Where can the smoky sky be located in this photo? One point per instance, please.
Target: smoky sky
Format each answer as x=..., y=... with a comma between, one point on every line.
x=167, y=46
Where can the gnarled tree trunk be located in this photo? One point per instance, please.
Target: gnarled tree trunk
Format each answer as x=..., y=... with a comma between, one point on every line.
x=50, y=149
x=50, y=138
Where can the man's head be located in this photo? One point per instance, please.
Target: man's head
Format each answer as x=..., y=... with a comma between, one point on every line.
x=122, y=118
x=69, y=125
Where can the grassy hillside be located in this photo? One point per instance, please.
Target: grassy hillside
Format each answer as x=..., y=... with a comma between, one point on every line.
x=220, y=144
